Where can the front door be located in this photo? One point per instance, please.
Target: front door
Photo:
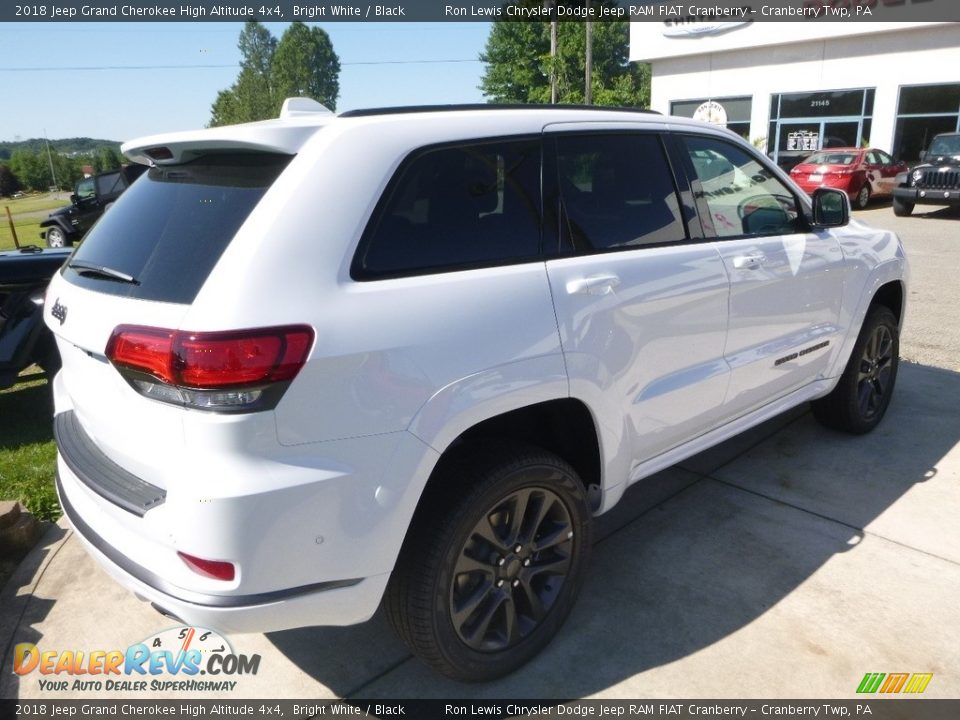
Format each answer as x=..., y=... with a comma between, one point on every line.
x=785, y=282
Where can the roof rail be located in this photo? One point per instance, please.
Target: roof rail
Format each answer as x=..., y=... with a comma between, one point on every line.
x=300, y=106
x=406, y=109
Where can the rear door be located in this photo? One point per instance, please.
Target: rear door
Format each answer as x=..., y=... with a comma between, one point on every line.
x=785, y=282
x=641, y=304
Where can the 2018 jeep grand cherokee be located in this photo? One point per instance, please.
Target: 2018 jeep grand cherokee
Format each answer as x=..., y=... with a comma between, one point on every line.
x=936, y=181
x=406, y=356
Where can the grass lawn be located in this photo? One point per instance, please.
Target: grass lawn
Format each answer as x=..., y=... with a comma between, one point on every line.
x=27, y=452
x=32, y=203
x=28, y=232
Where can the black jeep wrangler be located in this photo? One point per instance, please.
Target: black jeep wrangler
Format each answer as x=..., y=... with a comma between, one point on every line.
x=936, y=181
x=91, y=197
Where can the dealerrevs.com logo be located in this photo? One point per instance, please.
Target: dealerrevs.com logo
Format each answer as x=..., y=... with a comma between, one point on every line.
x=180, y=659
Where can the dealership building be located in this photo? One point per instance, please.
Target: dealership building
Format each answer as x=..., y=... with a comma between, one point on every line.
x=798, y=86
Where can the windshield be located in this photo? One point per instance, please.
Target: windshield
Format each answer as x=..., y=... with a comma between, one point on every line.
x=945, y=145
x=170, y=228
x=832, y=158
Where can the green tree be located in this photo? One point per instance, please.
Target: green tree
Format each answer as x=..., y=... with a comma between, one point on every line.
x=303, y=63
x=31, y=170
x=8, y=181
x=518, y=62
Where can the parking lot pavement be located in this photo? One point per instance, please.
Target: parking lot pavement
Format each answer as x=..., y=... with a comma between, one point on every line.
x=785, y=563
x=931, y=237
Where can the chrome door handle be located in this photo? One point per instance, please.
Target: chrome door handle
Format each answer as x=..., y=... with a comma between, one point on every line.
x=749, y=262
x=593, y=285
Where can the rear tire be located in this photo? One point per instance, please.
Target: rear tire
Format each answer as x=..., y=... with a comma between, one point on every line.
x=492, y=562
x=902, y=208
x=860, y=399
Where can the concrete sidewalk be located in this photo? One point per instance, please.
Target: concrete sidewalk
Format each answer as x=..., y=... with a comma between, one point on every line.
x=786, y=563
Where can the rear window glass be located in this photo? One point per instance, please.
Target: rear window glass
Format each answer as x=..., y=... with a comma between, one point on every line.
x=833, y=158
x=173, y=224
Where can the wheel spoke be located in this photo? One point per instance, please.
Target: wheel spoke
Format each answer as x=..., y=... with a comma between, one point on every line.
x=484, y=620
x=536, y=513
x=531, y=598
x=467, y=564
x=556, y=536
x=465, y=611
x=865, y=393
x=555, y=566
x=511, y=622
x=517, y=512
x=488, y=533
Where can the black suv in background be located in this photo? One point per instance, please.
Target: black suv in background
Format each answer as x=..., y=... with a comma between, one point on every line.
x=91, y=197
x=936, y=181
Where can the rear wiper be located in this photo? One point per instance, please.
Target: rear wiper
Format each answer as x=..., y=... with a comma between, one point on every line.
x=85, y=268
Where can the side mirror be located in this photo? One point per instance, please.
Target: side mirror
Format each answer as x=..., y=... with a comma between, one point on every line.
x=74, y=199
x=923, y=156
x=831, y=208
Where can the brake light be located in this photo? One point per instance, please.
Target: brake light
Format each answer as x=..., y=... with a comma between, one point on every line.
x=216, y=569
x=233, y=371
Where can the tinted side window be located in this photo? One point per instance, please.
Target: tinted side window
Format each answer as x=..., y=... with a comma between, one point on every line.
x=617, y=192
x=743, y=197
x=456, y=207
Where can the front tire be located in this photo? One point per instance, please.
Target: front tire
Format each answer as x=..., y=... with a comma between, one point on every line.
x=57, y=238
x=902, y=208
x=492, y=563
x=860, y=400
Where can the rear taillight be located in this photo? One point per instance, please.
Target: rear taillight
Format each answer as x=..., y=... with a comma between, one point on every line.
x=234, y=371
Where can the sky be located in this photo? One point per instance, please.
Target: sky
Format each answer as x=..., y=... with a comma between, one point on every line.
x=73, y=95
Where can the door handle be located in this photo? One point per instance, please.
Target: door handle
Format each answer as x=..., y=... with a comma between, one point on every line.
x=593, y=285
x=749, y=262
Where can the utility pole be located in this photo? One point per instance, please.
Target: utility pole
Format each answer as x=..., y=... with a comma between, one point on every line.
x=588, y=64
x=50, y=159
x=553, y=58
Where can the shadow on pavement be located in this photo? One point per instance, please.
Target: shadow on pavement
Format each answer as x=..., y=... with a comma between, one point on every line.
x=701, y=551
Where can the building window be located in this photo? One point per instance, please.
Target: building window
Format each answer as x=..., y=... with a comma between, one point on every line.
x=924, y=111
x=734, y=110
x=802, y=123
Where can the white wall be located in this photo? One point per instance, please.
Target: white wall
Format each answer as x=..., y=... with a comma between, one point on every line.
x=908, y=56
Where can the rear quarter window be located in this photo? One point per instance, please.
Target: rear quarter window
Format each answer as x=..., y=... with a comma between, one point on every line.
x=172, y=225
x=452, y=208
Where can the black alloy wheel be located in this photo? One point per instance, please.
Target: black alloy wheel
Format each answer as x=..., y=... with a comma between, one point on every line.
x=859, y=401
x=511, y=569
x=875, y=378
x=493, y=560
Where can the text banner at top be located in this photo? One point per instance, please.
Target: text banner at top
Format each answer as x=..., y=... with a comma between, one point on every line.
x=670, y=13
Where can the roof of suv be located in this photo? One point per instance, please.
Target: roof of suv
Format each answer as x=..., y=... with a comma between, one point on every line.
x=298, y=122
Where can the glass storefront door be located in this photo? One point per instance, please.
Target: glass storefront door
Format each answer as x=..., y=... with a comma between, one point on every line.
x=796, y=139
x=802, y=123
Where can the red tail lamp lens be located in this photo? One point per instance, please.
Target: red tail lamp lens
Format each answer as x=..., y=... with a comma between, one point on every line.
x=216, y=569
x=212, y=360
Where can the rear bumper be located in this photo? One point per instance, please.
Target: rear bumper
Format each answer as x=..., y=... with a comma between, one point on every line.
x=343, y=602
x=312, y=530
x=931, y=196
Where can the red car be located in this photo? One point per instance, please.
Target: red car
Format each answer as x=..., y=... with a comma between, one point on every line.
x=863, y=173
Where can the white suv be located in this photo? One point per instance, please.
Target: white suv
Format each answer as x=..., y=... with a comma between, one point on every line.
x=322, y=362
